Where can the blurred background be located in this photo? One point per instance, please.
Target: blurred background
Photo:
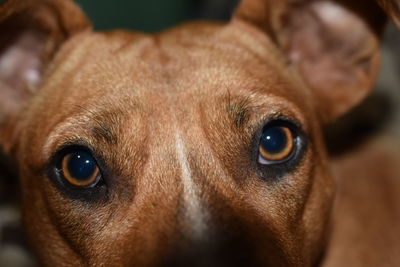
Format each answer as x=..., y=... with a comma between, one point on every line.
x=153, y=15
x=379, y=113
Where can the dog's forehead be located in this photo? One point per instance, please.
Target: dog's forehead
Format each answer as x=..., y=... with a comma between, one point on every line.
x=190, y=61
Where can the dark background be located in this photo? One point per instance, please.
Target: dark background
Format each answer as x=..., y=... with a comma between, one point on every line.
x=153, y=15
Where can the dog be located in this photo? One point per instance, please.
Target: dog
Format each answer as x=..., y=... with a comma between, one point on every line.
x=201, y=145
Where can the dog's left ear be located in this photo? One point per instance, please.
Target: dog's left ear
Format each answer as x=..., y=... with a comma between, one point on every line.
x=333, y=43
x=31, y=33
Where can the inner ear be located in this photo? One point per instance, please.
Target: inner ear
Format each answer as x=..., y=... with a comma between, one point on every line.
x=22, y=55
x=336, y=51
x=31, y=33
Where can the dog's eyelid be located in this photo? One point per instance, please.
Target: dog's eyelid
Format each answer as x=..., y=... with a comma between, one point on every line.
x=67, y=144
x=279, y=116
x=73, y=142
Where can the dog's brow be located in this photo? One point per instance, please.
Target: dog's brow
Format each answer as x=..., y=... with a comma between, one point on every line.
x=239, y=109
x=104, y=125
x=103, y=131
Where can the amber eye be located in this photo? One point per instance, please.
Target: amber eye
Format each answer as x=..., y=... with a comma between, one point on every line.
x=80, y=169
x=276, y=145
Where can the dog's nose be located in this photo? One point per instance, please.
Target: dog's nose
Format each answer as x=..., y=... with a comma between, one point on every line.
x=215, y=251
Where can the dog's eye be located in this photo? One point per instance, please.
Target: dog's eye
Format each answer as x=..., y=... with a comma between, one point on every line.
x=280, y=145
x=277, y=143
x=76, y=172
x=80, y=169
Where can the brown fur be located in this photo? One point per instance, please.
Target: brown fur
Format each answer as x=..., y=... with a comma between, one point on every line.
x=128, y=95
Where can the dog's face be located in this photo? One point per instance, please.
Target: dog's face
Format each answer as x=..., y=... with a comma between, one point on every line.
x=200, y=145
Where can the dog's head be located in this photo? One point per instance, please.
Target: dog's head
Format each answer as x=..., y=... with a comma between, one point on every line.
x=199, y=145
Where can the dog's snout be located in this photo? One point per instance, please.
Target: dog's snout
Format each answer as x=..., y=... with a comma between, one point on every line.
x=218, y=250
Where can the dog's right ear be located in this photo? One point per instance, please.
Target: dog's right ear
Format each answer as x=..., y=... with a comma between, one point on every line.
x=333, y=44
x=31, y=33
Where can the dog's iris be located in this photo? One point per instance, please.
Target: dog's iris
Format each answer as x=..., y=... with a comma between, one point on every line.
x=276, y=144
x=80, y=169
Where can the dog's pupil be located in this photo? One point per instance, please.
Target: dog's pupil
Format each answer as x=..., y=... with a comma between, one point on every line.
x=81, y=165
x=274, y=140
